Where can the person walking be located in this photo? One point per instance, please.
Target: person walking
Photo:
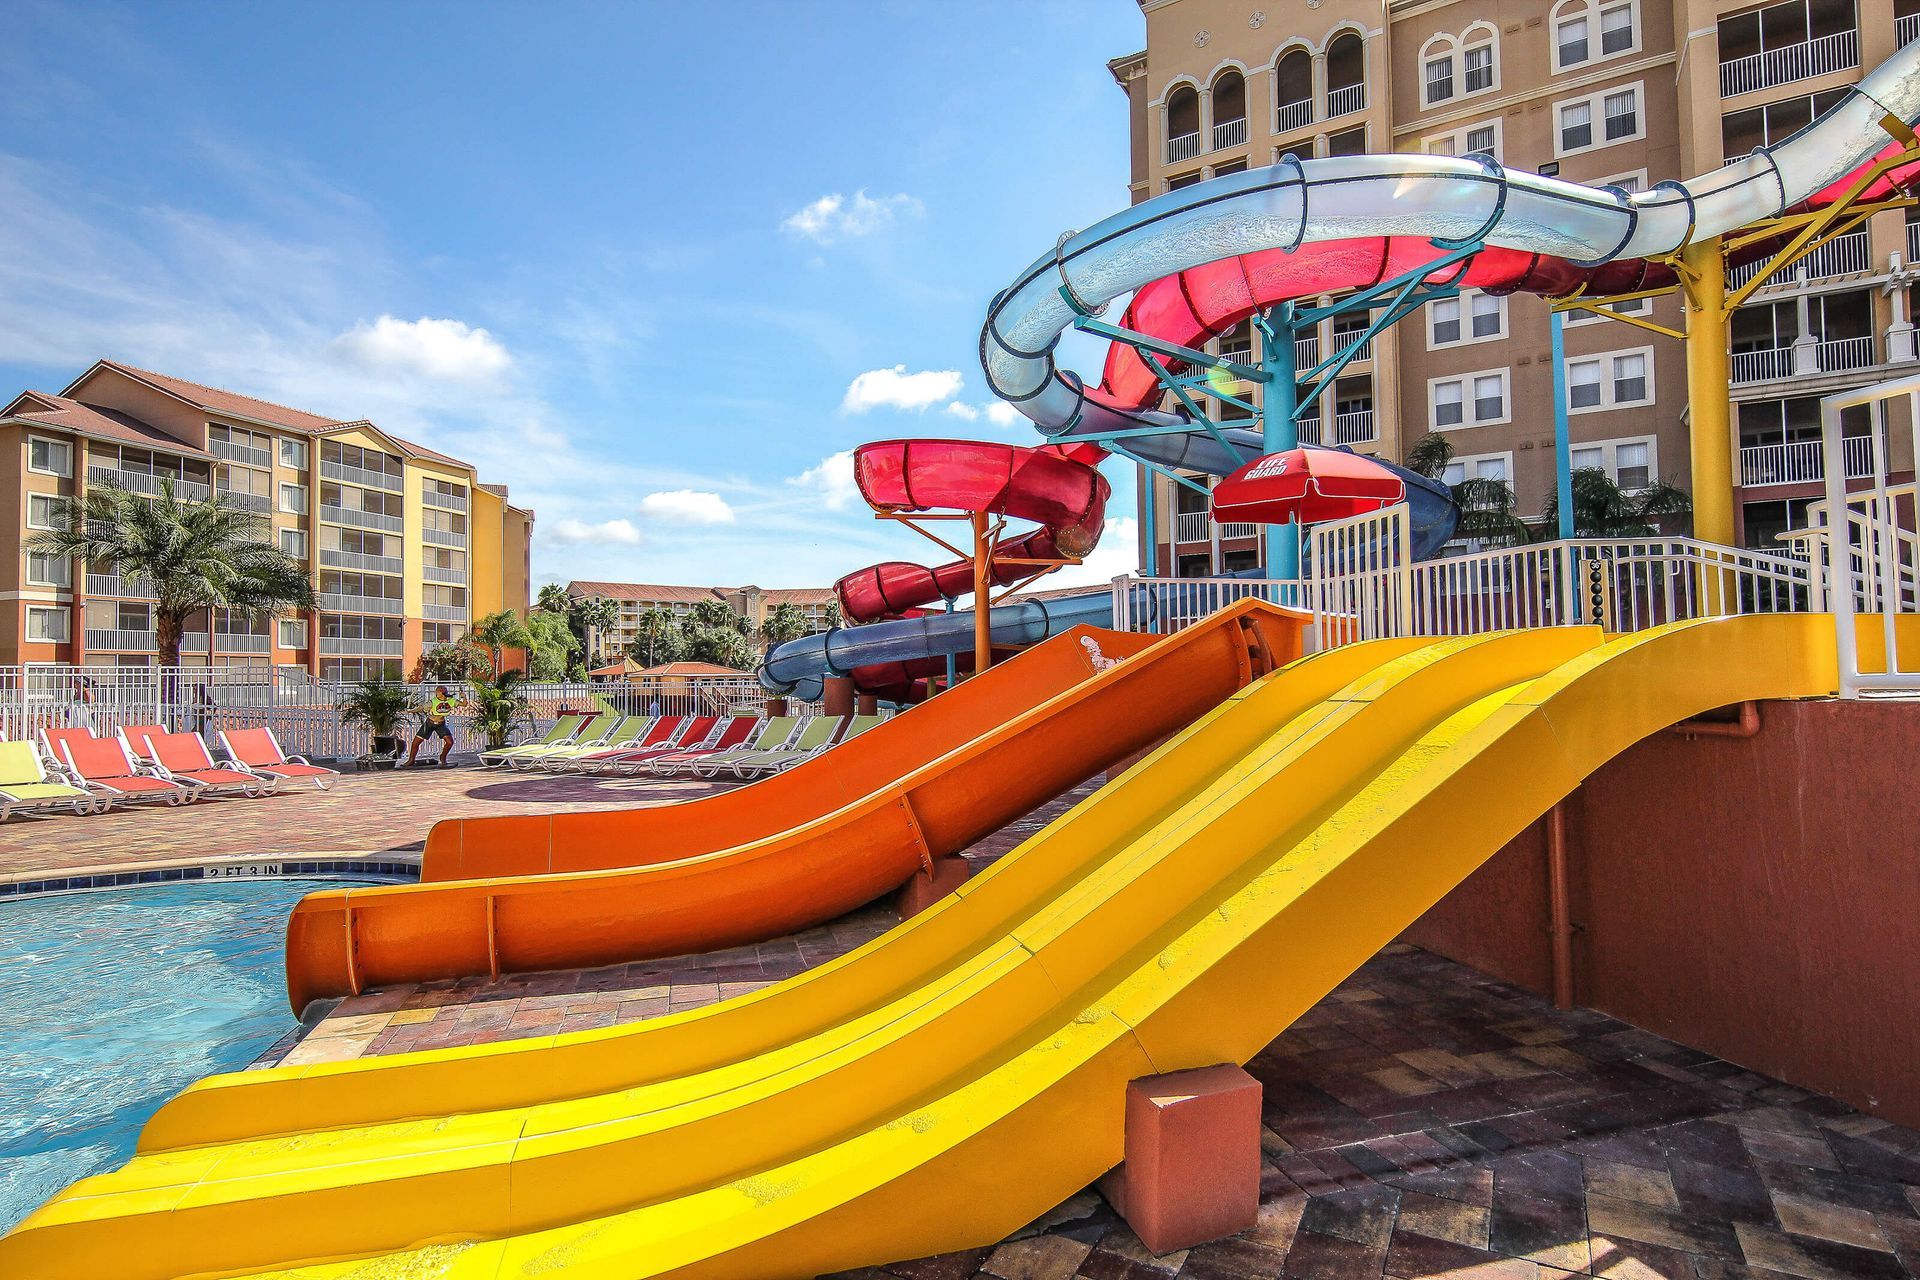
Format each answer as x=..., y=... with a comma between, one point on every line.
x=433, y=724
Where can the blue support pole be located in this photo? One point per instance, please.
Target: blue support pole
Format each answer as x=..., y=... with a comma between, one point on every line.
x=1150, y=568
x=1562, y=441
x=1279, y=427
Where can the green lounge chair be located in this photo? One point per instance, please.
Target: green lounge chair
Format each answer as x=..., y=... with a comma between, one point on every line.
x=25, y=787
x=564, y=731
x=629, y=730
x=602, y=728
x=778, y=731
x=815, y=736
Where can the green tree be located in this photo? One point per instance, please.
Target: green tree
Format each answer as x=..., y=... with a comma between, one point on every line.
x=785, y=621
x=657, y=638
x=194, y=555
x=713, y=632
x=553, y=598
x=499, y=707
x=378, y=706
x=462, y=660
x=1487, y=507
x=551, y=643
x=588, y=615
x=718, y=615
x=1602, y=509
x=501, y=631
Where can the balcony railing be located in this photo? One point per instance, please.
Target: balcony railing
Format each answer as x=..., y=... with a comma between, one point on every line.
x=1341, y=337
x=444, y=612
x=1293, y=115
x=142, y=482
x=1184, y=147
x=1353, y=428
x=1801, y=461
x=443, y=537
x=445, y=501
x=1229, y=133
x=1844, y=255
x=1309, y=429
x=112, y=584
x=1906, y=30
x=1842, y=354
x=242, y=642
x=248, y=501
x=361, y=519
x=340, y=602
x=123, y=641
x=351, y=474
x=1346, y=100
x=360, y=561
x=244, y=453
x=358, y=647
x=1195, y=526
x=1817, y=57
x=1762, y=365
x=1836, y=355
x=1306, y=351
x=451, y=577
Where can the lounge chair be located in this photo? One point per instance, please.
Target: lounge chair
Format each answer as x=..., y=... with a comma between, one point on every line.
x=105, y=768
x=730, y=734
x=668, y=735
x=136, y=736
x=183, y=758
x=777, y=731
x=26, y=788
x=565, y=730
x=625, y=731
x=258, y=752
x=656, y=734
x=815, y=736
x=53, y=742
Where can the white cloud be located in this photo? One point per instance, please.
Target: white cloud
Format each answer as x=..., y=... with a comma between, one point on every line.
x=832, y=480
x=617, y=532
x=840, y=217
x=963, y=411
x=895, y=388
x=1002, y=414
x=449, y=350
x=688, y=506
x=1117, y=553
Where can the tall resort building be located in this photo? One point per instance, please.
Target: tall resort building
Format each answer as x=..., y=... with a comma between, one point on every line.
x=1627, y=92
x=406, y=546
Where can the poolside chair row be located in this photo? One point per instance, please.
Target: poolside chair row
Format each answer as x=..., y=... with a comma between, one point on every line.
x=77, y=770
x=670, y=746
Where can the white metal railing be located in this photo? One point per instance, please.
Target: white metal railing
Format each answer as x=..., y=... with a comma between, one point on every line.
x=363, y=476
x=143, y=482
x=1844, y=255
x=1353, y=428
x=361, y=561
x=1161, y=606
x=1190, y=526
x=1907, y=29
x=242, y=453
x=1342, y=337
x=443, y=537
x=444, y=612
x=361, y=647
x=1799, y=461
x=1293, y=115
x=242, y=642
x=121, y=639
x=345, y=602
x=1229, y=133
x=112, y=584
x=1800, y=61
x=1840, y=354
x=1306, y=350
x=1184, y=147
x=1761, y=365
x=1308, y=429
x=1346, y=99
x=361, y=519
x=1236, y=529
x=248, y=501
x=451, y=577
x=446, y=501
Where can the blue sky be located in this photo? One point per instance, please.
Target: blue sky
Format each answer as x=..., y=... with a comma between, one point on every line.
x=631, y=259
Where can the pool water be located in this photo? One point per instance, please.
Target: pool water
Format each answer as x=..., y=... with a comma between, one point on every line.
x=116, y=1000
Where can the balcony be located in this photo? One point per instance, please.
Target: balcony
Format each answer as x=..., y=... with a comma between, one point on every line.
x=361, y=519
x=444, y=612
x=121, y=641
x=142, y=482
x=1836, y=355
x=451, y=577
x=361, y=562
x=241, y=453
x=443, y=537
x=1844, y=255
x=1906, y=30
x=1804, y=60
x=351, y=474
x=1195, y=526
x=1353, y=428
x=445, y=501
x=1762, y=365
x=341, y=602
x=358, y=647
x=242, y=642
x=1842, y=354
x=1341, y=337
x=1801, y=461
x=1306, y=351
x=1293, y=115
x=248, y=501
x=1346, y=100
x=1184, y=147
x=1229, y=133
x=112, y=584
x=1309, y=429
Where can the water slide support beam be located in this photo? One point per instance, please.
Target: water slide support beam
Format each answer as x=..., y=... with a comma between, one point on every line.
x=1280, y=424
x=982, y=593
x=1704, y=272
x=1562, y=442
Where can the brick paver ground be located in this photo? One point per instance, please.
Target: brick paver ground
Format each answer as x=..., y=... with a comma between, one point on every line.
x=362, y=813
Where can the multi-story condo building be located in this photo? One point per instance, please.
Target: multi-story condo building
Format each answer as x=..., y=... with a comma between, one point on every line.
x=406, y=547
x=1627, y=92
x=816, y=604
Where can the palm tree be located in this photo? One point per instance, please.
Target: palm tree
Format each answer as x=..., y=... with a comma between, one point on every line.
x=501, y=631
x=197, y=555
x=656, y=638
x=499, y=706
x=785, y=621
x=554, y=599
x=1602, y=509
x=1487, y=507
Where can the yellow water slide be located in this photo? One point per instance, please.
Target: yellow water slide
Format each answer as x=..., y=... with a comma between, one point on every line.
x=961, y=1075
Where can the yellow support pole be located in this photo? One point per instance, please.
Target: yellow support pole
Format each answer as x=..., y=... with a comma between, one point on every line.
x=1708, y=384
x=982, y=594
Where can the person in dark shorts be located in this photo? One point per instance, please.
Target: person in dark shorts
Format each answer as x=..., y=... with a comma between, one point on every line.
x=433, y=724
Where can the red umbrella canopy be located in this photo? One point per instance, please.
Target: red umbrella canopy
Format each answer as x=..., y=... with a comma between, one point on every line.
x=1305, y=485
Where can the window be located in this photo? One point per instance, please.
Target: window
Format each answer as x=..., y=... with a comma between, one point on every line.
x=293, y=499
x=1469, y=400
x=1477, y=67
x=294, y=543
x=1472, y=317
x=1570, y=41
x=1583, y=384
x=1614, y=380
x=1439, y=79
x=1348, y=142
x=1486, y=466
x=1477, y=139
x=293, y=633
x=1445, y=317
x=1632, y=462
x=1630, y=379
x=1490, y=397
x=1575, y=23
x=1631, y=467
x=48, y=626
x=1618, y=112
x=1465, y=64
x=1489, y=315
x=49, y=571
x=40, y=510
x=1446, y=404
x=49, y=457
x=293, y=453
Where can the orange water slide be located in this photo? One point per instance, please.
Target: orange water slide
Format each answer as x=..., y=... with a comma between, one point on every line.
x=578, y=890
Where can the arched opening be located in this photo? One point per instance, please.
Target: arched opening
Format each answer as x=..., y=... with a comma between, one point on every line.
x=1183, y=123
x=1229, y=110
x=1346, y=75
x=1293, y=91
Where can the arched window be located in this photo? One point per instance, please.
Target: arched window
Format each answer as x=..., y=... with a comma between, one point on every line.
x=1346, y=75
x=1293, y=90
x=1479, y=59
x=1460, y=66
x=1229, y=109
x=1183, y=123
x=1587, y=31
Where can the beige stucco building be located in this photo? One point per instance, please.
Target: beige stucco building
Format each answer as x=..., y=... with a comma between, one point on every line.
x=1628, y=92
x=816, y=604
x=405, y=545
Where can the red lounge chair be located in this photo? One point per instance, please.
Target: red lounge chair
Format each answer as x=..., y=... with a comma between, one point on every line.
x=53, y=740
x=136, y=736
x=103, y=767
x=733, y=733
x=668, y=733
x=183, y=757
x=257, y=751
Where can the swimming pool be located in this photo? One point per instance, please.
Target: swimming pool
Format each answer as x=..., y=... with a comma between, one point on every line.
x=115, y=1001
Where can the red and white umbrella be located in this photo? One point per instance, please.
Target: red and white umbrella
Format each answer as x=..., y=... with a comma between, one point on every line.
x=1309, y=486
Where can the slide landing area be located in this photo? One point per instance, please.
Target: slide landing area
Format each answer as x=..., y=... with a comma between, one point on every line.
x=973, y=1059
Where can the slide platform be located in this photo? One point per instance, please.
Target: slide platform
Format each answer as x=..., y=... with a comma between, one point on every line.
x=579, y=890
x=976, y=1057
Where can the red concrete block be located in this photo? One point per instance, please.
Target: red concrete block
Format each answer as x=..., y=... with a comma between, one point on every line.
x=1192, y=1170
x=925, y=889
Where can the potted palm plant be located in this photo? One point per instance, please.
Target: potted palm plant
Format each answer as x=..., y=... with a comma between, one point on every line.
x=378, y=706
x=499, y=707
